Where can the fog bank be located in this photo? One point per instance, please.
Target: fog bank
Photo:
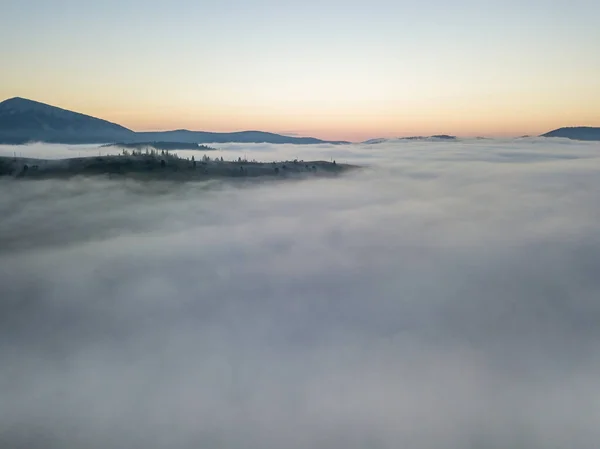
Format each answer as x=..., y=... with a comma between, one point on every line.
x=446, y=296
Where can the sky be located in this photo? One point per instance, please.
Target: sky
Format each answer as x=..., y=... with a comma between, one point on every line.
x=328, y=68
x=445, y=296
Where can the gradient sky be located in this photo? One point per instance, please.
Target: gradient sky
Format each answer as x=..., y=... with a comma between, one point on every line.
x=328, y=68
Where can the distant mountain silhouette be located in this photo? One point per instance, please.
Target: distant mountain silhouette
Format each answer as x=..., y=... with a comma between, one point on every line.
x=376, y=141
x=23, y=121
x=576, y=133
x=427, y=138
x=435, y=137
x=184, y=135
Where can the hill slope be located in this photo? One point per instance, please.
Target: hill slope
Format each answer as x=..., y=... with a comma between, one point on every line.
x=576, y=133
x=23, y=121
x=162, y=166
x=183, y=135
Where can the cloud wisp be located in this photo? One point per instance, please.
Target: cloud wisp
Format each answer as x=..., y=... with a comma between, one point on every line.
x=444, y=297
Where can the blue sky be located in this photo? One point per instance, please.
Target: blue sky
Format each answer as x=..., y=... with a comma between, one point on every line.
x=327, y=68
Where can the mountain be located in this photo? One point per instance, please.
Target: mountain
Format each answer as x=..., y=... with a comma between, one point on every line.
x=23, y=121
x=576, y=133
x=438, y=137
x=376, y=141
x=183, y=135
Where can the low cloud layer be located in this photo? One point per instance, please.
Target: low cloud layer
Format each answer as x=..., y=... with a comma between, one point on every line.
x=447, y=296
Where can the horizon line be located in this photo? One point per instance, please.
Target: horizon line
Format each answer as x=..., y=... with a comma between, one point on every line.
x=296, y=134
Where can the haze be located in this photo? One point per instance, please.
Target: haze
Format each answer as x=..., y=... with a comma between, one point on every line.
x=444, y=297
x=332, y=69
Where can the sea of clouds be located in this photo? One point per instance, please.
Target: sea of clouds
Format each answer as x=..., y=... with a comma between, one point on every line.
x=446, y=296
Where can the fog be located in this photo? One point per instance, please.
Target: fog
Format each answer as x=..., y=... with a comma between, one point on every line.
x=445, y=296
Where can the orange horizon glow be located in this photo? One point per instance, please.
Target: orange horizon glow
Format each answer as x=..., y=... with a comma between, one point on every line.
x=467, y=116
x=467, y=119
x=352, y=129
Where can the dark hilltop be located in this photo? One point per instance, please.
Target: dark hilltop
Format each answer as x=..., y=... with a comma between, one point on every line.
x=576, y=133
x=23, y=121
x=167, y=146
x=162, y=165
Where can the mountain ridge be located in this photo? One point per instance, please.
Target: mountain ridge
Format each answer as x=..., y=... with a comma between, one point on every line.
x=23, y=121
x=575, y=133
x=434, y=138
